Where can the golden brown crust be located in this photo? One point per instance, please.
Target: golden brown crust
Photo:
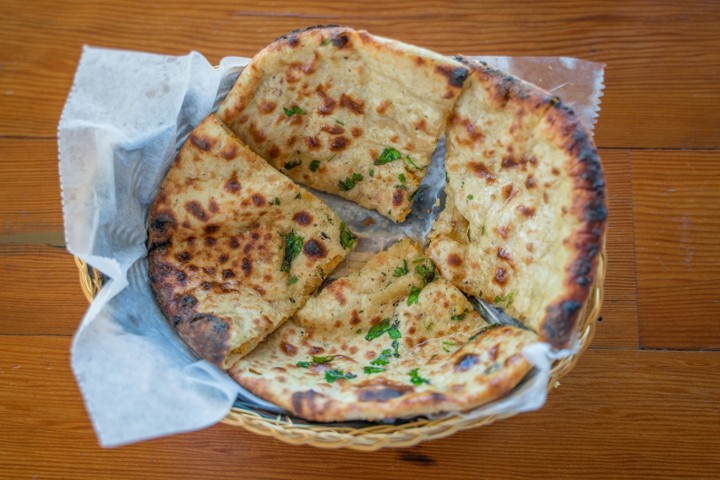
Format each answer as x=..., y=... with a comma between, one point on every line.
x=457, y=360
x=525, y=215
x=222, y=265
x=325, y=105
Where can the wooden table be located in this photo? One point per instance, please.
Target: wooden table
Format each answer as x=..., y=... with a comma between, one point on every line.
x=643, y=402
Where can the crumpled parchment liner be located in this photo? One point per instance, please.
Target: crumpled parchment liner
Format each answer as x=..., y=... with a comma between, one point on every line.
x=125, y=116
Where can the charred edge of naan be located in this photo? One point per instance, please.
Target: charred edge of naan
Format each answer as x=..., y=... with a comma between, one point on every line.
x=206, y=334
x=558, y=326
x=590, y=206
x=381, y=399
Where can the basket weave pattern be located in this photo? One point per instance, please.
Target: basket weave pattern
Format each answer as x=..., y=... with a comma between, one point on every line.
x=374, y=437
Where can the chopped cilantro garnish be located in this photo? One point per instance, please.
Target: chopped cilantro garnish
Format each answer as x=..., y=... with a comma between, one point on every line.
x=395, y=344
x=293, y=247
x=298, y=196
x=276, y=201
x=358, y=331
x=426, y=272
x=332, y=375
x=470, y=196
x=289, y=112
x=319, y=360
x=339, y=122
x=371, y=172
x=459, y=316
x=419, y=260
x=382, y=359
x=303, y=364
x=293, y=164
x=414, y=296
x=329, y=219
x=292, y=280
x=415, y=377
x=411, y=163
x=370, y=370
x=383, y=327
x=326, y=41
x=447, y=178
x=314, y=165
x=468, y=235
x=388, y=155
x=400, y=271
x=350, y=182
x=402, y=178
x=347, y=237
x=332, y=157
x=507, y=299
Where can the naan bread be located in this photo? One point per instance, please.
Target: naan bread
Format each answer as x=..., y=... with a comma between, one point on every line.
x=346, y=112
x=385, y=342
x=235, y=247
x=525, y=212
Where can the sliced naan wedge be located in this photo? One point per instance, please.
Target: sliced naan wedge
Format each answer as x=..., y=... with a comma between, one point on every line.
x=525, y=212
x=389, y=341
x=346, y=112
x=235, y=247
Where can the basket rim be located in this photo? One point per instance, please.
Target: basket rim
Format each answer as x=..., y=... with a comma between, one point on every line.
x=376, y=436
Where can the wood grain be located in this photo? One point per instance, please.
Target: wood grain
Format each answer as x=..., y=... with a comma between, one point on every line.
x=646, y=48
x=619, y=413
x=677, y=222
x=41, y=293
x=30, y=195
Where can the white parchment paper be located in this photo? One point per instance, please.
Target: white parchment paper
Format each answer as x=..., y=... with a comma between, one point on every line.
x=121, y=125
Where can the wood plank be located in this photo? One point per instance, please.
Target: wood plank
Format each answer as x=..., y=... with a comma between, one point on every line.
x=40, y=51
x=41, y=293
x=30, y=196
x=619, y=414
x=619, y=312
x=677, y=224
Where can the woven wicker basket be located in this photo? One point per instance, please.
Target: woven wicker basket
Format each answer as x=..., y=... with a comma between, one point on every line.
x=374, y=437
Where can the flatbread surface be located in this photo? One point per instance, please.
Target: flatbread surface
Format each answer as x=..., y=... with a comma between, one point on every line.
x=235, y=247
x=346, y=112
x=525, y=210
x=388, y=341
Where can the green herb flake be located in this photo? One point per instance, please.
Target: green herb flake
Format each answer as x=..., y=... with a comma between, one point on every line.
x=350, y=182
x=314, y=165
x=418, y=260
x=292, y=280
x=358, y=331
x=276, y=201
x=293, y=164
x=383, y=358
x=458, y=316
x=293, y=247
x=411, y=163
x=400, y=271
x=395, y=345
x=347, y=237
x=388, y=155
x=378, y=329
x=394, y=333
x=332, y=375
x=415, y=377
x=371, y=172
x=332, y=157
x=447, y=178
x=319, y=360
x=470, y=197
x=370, y=370
x=402, y=178
x=447, y=346
x=325, y=42
x=339, y=122
x=330, y=220
x=289, y=112
x=426, y=272
x=414, y=296
x=303, y=364
x=506, y=300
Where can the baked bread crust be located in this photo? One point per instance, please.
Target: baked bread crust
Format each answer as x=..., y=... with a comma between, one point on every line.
x=325, y=364
x=525, y=211
x=346, y=112
x=235, y=247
